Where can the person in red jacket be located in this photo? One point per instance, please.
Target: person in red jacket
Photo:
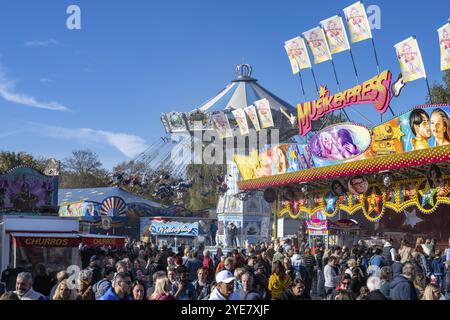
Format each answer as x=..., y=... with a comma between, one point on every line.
x=208, y=263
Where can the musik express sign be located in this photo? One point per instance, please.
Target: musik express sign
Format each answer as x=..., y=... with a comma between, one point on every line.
x=375, y=90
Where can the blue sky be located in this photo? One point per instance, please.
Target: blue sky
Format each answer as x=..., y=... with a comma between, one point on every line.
x=104, y=87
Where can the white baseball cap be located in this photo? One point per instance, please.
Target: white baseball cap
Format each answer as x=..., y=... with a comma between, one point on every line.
x=224, y=276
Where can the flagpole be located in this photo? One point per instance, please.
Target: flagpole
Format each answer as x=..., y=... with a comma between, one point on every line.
x=379, y=71
x=339, y=87
x=354, y=66
x=429, y=90
x=301, y=83
x=315, y=81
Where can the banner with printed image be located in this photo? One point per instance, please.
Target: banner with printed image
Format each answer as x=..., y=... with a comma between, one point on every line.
x=241, y=119
x=444, y=45
x=410, y=59
x=265, y=113
x=298, y=54
x=222, y=125
x=336, y=34
x=357, y=22
x=318, y=45
x=252, y=114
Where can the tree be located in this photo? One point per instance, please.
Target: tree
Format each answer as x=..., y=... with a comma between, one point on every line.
x=83, y=170
x=440, y=93
x=10, y=160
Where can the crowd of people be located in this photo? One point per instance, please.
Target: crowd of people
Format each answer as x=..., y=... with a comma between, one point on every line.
x=280, y=270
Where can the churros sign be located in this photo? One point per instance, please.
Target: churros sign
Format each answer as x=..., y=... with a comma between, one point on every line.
x=375, y=90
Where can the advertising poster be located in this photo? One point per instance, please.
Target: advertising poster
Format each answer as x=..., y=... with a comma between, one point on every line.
x=241, y=119
x=336, y=35
x=318, y=45
x=357, y=22
x=410, y=59
x=298, y=54
x=265, y=114
x=444, y=45
x=253, y=116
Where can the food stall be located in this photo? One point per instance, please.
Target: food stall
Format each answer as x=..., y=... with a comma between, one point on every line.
x=27, y=241
x=318, y=232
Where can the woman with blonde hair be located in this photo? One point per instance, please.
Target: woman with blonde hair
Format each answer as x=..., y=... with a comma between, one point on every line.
x=439, y=125
x=431, y=292
x=162, y=289
x=63, y=291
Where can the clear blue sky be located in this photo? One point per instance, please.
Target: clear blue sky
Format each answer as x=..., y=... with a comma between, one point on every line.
x=133, y=60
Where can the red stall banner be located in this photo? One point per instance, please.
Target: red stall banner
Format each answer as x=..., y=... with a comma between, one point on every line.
x=100, y=242
x=36, y=241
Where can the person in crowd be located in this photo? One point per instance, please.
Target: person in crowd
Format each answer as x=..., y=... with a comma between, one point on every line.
x=182, y=289
x=248, y=292
x=261, y=282
x=121, y=289
x=201, y=284
x=358, y=280
x=138, y=291
x=278, y=256
x=239, y=260
x=431, y=292
x=420, y=283
x=84, y=284
x=96, y=266
x=446, y=281
x=386, y=279
x=330, y=275
x=374, y=286
x=311, y=268
x=363, y=292
x=438, y=268
x=60, y=276
x=389, y=251
x=162, y=289
x=9, y=295
x=397, y=266
x=99, y=288
x=208, y=263
x=64, y=292
x=9, y=276
x=155, y=276
x=171, y=274
x=279, y=281
x=42, y=282
x=343, y=287
x=192, y=264
x=296, y=291
x=24, y=287
x=238, y=272
x=405, y=252
x=224, y=290
x=289, y=269
x=402, y=286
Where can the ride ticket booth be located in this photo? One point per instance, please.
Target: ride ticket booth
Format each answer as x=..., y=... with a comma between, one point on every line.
x=318, y=232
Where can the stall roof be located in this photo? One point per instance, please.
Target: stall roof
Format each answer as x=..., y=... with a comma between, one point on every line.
x=100, y=236
x=66, y=196
x=45, y=235
x=405, y=165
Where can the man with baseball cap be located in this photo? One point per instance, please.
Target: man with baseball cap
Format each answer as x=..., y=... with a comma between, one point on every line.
x=225, y=287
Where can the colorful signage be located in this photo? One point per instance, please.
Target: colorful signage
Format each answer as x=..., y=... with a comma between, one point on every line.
x=357, y=22
x=103, y=242
x=27, y=190
x=375, y=90
x=174, y=229
x=45, y=242
x=444, y=45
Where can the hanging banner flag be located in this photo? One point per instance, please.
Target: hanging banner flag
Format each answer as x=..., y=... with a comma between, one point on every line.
x=336, y=34
x=251, y=112
x=222, y=125
x=375, y=90
x=298, y=55
x=318, y=45
x=357, y=22
x=241, y=119
x=265, y=114
x=410, y=59
x=444, y=44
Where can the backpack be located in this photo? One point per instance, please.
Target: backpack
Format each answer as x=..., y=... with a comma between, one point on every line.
x=98, y=294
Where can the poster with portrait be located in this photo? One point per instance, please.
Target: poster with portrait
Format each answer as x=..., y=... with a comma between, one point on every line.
x=253, y=116
x=222, y=125
x=336, y=34
x=444, y=46
x=424, y=128
x=410, y=60
x=357, y=22
x=298, y=54
x=318, y=45
x=241, y=119
x=265, y=113
x=358, y=185
x=339, y=143
x=177, y=122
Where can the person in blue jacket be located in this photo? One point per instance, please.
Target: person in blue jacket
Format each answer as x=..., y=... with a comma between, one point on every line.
x=121, y=289
x=438, y=268
x=402, y=287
